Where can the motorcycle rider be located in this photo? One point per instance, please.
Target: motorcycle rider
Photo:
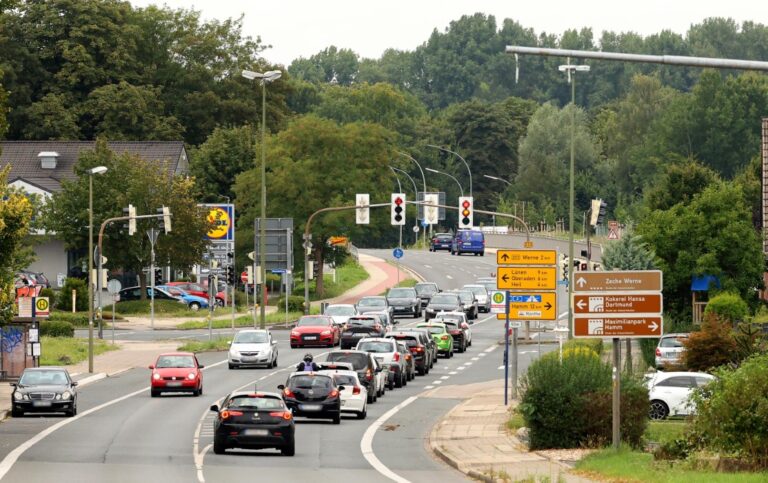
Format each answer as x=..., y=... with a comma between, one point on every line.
x=307, y=364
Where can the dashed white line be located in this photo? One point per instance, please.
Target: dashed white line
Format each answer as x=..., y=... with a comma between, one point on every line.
x=427, y=266
x=437, y=382
x=453, y=373
x=445, y=377
x=475, y=358
x=449, y=277
x=429, y=387
x=483, y=354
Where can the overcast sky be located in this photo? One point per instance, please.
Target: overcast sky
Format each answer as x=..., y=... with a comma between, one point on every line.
x=301, y=28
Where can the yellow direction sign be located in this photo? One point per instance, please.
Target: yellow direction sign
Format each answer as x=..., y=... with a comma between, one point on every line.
x=531, y=306
x=526, y=278
x=526, y=257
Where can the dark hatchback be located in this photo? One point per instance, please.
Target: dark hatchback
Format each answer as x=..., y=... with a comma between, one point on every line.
x=48, y=390
x=253, y=420
x=426, y=290
x=361, y=326
x=443, y=302
x=441, y=241
x=313, y=396
x=419, y=352
x=363, y=364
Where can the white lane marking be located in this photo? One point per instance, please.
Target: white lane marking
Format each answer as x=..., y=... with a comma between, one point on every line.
x=501, y=367
x=489, y=349
x=461, y=368
x=437, y=382
x=564, y=314
x=366, y=444
x=449, y=277
x=429, y=387
x=95, y=377
x=453, y=373
x=11, y=458
x=427, y=266
x=475, y=358
x=482, y=355
x=445, y=377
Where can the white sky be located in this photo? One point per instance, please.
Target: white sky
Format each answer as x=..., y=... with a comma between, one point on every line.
x=301, y=28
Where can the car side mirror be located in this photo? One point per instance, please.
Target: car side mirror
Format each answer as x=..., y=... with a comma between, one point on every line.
x=214, y=408
x=378, y=369
x=151, y=366
x=395, y=322
x=281, y=387
x=229, y=342
x=13, y=384
x=74, y=383
x=201, y=366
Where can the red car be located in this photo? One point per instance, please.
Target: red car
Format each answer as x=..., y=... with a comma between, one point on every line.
x=176, y=372
x=315, y=330
x=200, y=291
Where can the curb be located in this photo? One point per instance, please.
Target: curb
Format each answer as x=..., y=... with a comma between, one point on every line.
x=452, y=462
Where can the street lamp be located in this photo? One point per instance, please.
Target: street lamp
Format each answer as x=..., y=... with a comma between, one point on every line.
x=446, y=174
x=91, y=172
x=571, y=68
x=497, y=179
x=461, y=158
x=415, y=195
x=423, y=180
x=269, y=76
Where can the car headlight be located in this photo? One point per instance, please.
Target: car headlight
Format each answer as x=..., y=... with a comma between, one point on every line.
x=191, y=376
x=58, y=396
x=325, y=332
x=156, y=376
x=295, y=332
x=66, y=395
x=18, y=396
x=234, y=353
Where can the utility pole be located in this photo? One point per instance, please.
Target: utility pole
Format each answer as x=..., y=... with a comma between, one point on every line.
x=152, y=234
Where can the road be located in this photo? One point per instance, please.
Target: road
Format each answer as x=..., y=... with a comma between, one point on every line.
x=123, y=435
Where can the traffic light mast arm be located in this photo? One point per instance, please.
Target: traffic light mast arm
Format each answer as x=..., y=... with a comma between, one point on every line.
x=120, y=218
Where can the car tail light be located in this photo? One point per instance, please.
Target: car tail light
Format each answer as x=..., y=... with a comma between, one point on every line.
x=444, y=337
x=356, y=390
x=288, y=393
x=282, y=414
x=333, y=393
x=658, y=352
x=396, y=357
x=408, y=357
x=377, y=327
x=417, y=349
x=368, y=374
x=226, y=414
x=455, y=332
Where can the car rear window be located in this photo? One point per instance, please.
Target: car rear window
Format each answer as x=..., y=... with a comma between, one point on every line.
x=407, y=340
x=672, y=341
x=435, y=329
x=255, y=402
x=376, y=346
x=445, y=299
x=343, y=379
x=426, y=289
x=358, y=361
x=401, y=293
x=371, y=302
x=364, y=322
x=310, y=382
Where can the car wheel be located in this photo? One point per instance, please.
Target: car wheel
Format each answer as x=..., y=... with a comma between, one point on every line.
x=200, y=391
x=362, y=414
x=194, y=306
x=231, y=366
x=293, y=346
x=218, y=446
x=398, y=383
x=154, y=393
x=422, y=371
x=482, y=254
x=370, y=400
x=289, y=449
x=16, y=413
x=658, y=411
x=220, y=302
x=274, y=363
x=337, y=418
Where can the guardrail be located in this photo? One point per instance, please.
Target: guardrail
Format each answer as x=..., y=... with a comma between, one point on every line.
x=354, y=252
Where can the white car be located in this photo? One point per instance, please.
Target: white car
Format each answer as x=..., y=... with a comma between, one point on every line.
x=385, y=350
x=481, y=294
x=460, y=319
x=252, y=348
x=670, y=392
x=354, y=397
x=340, y=313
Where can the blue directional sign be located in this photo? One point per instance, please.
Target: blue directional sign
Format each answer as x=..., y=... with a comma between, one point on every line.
x=424, y=223
x=278, y=270
x=397, y=253
x=524, y=298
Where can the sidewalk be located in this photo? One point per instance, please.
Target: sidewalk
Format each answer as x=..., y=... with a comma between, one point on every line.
x=168, y=323
x=474, y=439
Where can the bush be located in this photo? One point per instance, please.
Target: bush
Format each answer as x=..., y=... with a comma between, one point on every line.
x=733, y=411
x=64, y=301
x=295, y=304
x=595, y=344
x=77, y=320
x=728, y=307
x=710, y=347
x=648, y=351
x=48, y=292
x=57, y=328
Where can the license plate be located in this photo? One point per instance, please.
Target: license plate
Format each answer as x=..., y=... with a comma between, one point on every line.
x=310, y=337
x=343, y=402
x=311, y=407
x=41, y=404
x=173, y=384
x=360, y=335
x=256, y=432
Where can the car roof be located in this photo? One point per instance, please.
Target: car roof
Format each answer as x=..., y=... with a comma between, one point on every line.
x=252, y=393
x=308, y=373
x=253, y=330
x=424, y=325
x=340, y=305
x=46, y=368
x=343, y=372
x=375, y=339
x=176, y=354
x=474, y=285
x=373, y=297
x=348, y=351
x=676, y=334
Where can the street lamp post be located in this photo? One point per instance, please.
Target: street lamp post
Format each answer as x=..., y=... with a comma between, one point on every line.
x=423, y=180
x=269, y=76
x=461, y=158
x=91, y=172
x=571, y=69
x=415, y=195
x=446, y=174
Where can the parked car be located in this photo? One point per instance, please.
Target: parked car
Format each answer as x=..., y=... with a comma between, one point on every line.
x=134, y=293
x=386, y=349
x=176, y=372
x=253, y=420
x=251, y=347
x=670, y=349
x=44, y=389
x=404, y=300
x=365, y=366
x=315, y=330
x=200, y=291
x=442, y=338
x=360, y=326
x=441, y=241
x=444, y=301
x=354, y=396
x=313, y=395
x=340, y=313
x=36, y=278
x=420, y=353
x=426, y=290
x=372, y=303
x=468, y=241
x=193, y=302
x=670, y=392
x=481, y=295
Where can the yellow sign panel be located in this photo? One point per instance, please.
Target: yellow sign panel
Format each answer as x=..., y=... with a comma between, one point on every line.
x=528, y=244
x=531, y=306
x=221, y=223
x=526, y=257
x=526, y=278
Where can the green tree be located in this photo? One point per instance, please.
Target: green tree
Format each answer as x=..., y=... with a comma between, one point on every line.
x=225, y=154
x=15, y=219
x=331, y=65
x=679, y=183
x=629, y=253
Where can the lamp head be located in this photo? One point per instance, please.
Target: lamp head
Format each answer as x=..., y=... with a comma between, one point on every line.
x=98, y=170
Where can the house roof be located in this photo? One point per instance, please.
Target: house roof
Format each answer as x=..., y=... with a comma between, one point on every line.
x=25, y=164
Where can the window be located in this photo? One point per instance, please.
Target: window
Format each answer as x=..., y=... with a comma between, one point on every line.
x=358, y=361
x=672, y=342
x=251, y=338
x=310, y=382
x=175, y=361
x=376, y=347
x=344, y=380
x=255, y=402
x=679, y=381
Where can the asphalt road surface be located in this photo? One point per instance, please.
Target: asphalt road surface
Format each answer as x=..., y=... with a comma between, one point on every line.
x=123, y=435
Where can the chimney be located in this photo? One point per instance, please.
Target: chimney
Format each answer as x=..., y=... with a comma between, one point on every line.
x=48, y=159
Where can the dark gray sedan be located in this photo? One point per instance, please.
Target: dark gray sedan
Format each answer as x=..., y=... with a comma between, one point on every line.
x=404, y=300
x=443, y=302
x=44, y=390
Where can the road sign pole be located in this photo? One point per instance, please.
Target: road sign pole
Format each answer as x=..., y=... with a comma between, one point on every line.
x=616, y=393
x=514, y=363
x=113, y=318
x=506, y=349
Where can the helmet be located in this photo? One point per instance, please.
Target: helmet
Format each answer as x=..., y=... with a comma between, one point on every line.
x=307, y=357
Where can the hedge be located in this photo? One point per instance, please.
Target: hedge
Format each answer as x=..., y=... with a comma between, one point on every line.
x=57, y=328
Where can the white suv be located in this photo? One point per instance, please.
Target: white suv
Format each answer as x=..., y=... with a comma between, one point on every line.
x=385, y=350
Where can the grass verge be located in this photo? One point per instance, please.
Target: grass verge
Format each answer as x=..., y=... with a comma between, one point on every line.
x=220, y=344
x=348, y=275
x=163, y=308
x=664, y=431
x=516, y=421
x=244, y=320
x=64, y=351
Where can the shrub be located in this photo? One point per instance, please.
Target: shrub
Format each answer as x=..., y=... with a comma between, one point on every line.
x=77, y=320
x=64, y=302
x=595, y=344
x=728, y=307
x=733, y=411
x=48, y=292
x=598, y=412
x=57, y=328
x=295, y=304
x=710, y=347
x=648, y=351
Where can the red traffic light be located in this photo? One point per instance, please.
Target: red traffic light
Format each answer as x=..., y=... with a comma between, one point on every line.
x=398, y=201
x=465, y=204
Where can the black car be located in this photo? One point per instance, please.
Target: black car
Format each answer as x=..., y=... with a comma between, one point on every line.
x=44, y=389
x=360, y=326
x=404, y=300
x=363, y=363
x=427, y=341
x=420, y=353
x=441, y=241
x=253, y=420
x=443, y=302
x=469, y=303
x=426, y=290
x=313, y=396
x=373, y=303
x=460, y=342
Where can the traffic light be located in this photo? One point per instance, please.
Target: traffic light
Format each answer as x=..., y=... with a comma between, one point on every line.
x=398, y=209
x=594, y=212
x=158, y=276
x=601, y=212
x=130, y=212
x=466, y=211
x=166, y=218
x=231, y=274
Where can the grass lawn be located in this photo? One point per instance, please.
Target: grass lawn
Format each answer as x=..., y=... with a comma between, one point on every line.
x=163, y=308
x=64, y=351
x=244, y=320
x=220, y=344
x=408, y=282
x=630, y=466
x=663, y=431
x=348, y=275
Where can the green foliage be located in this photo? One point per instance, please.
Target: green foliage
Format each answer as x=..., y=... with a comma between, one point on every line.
x=596, y=345
x=64, y=300
x=77, y=319
x=629, y=253
x=226, y=153
x=733, y=411
x=711, y=347
x=64, y=351
x=15, y=219
x=295, y=304
x=728, y=307
x=48, y=292
x=57, y=328
x=163, y=308
x=679, y=184
x=218, y=344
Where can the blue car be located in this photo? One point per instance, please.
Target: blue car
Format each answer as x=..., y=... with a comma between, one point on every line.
x=468, y=241
x=193, y=301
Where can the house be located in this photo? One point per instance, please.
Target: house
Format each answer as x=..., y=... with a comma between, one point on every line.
x=39, y=167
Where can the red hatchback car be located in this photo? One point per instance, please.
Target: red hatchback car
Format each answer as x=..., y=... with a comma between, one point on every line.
x=315, y=330
x=200, y=291
x=176, y=372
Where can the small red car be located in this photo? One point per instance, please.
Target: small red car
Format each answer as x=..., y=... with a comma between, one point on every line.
x=176, y=372
x=315, y=330
x=200, y=291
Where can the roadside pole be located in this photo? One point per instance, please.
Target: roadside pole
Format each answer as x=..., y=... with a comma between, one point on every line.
x=514, y=362
x=506, y=350
x=616, y=393
x=152, y=234
x=211, y=298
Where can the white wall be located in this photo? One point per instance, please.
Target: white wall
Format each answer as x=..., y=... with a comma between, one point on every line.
x=51, y=260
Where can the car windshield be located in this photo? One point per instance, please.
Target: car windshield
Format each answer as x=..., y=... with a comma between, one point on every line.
x=312, y=321
x=358, y=361
x=310, y=382
x=247, y=401
x=251, y=338
x=401, y=293
x=672, y=342
x=445, y=237
x=425, y=289
x=175, y=361
x=446, y=299
x=371, y=302
x=345, y=380
x=434, y=329
x=477, y=290
x=364, y=322
x=375, y=346
x=465, y=296
x=489, y=285
x=44, y=378
x=342, y=310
